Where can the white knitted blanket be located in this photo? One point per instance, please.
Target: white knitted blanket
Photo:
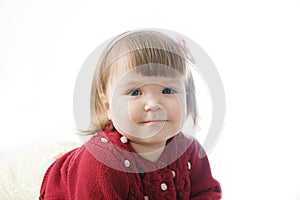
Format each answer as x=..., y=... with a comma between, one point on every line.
x=22, y=174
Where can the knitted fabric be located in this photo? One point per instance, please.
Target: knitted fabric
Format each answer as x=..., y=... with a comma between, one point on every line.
x=107, y=168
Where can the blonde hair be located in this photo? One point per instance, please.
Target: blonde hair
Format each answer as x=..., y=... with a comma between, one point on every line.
x=133, y=49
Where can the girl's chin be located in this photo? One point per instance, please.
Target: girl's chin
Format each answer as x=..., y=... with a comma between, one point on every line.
x=149, y=140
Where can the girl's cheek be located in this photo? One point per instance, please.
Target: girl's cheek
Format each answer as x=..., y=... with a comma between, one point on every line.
x=133, y=111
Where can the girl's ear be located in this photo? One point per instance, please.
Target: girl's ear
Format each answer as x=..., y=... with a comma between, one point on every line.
x=105, y=102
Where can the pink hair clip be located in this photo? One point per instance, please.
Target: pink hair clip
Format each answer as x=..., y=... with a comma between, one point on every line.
x=185, y=49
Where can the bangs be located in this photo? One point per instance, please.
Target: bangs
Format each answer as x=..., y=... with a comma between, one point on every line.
x=153, y=62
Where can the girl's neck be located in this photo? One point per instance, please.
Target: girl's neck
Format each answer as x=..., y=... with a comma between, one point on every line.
x=150, y=152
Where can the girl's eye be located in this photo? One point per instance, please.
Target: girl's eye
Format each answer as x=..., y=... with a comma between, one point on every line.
x=168, y=91
x=134, y=92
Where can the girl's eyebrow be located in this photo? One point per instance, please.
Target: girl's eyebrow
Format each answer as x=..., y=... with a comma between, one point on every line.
x=161, y=82
x=136, y=84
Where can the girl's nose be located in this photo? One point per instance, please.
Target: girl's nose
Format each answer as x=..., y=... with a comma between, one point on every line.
x=152, y=103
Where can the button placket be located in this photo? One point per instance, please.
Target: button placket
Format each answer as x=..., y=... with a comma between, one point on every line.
x=141, y=173
x=180, y=195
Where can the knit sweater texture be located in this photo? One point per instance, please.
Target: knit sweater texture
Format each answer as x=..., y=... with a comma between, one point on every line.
x=109, y=169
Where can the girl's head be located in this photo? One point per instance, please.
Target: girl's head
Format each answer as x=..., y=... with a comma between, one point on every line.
x=142, y=76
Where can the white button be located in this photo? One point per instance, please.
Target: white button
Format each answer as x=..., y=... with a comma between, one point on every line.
x=163, y=186
x=174, y=174
x=123, y=139
x=161, y=164
x=189, y=165
x=127, y=163
x=146, y=197
x=104, y=140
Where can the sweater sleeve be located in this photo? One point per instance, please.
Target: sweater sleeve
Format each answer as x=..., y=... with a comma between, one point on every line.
x=203, y=185
x=79, y=175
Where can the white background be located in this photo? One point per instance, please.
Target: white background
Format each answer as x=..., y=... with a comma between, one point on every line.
x=255, y=46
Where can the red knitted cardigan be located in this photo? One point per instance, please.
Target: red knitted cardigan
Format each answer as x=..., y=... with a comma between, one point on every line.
x=106, y=168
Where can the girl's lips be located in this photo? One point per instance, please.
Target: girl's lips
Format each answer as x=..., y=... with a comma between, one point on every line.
x=149, y=122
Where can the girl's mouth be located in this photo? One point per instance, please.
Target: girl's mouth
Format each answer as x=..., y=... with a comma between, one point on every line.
x=154, y=122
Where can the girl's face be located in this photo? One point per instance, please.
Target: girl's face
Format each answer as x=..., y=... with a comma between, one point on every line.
x=146, y=109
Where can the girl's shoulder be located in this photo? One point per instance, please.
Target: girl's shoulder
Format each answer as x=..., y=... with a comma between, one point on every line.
x=189, y=147
x=78, y=167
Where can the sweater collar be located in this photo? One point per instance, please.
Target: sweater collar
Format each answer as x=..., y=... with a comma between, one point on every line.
x=110, y=139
